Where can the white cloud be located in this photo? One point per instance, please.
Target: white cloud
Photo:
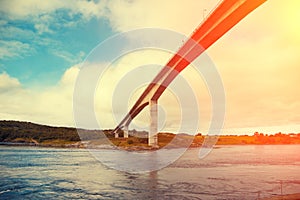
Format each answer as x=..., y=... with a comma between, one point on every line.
x=88, y=9
x=8, y=83
x=14, y=49
x=172, y=14
x=44, y=14
x=18, y=10
x=25, y=9
x=12, y=32
x=42, y=28
x=51, y=105
x=70, y=75
x=69, y=57
x=42, y=23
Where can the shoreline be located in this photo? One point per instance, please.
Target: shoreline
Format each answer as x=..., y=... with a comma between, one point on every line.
x=79, y=145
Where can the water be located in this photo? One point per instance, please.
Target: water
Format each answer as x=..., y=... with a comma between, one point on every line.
x=228, y=172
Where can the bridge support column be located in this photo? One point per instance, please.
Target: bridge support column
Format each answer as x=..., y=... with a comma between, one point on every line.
x=152, y=136
x=116, y=135
x=126, y=132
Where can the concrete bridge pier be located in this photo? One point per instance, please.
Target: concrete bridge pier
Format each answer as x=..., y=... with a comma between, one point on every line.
x=126, y=132
x=152, y=135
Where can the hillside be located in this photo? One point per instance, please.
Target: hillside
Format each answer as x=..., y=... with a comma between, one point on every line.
x=30, y=133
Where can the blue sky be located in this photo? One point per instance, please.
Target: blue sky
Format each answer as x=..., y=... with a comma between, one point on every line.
x=43, y=44
x=40, y=57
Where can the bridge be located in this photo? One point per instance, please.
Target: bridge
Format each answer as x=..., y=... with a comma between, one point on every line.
x=226, y=15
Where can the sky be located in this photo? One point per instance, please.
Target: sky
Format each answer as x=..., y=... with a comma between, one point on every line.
x=44, y=44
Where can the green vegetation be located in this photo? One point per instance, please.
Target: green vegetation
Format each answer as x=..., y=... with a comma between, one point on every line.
x=12, y=130
x=256, y=138
x=33, y=134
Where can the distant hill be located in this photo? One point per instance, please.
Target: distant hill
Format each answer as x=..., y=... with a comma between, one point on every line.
x=27, y=132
